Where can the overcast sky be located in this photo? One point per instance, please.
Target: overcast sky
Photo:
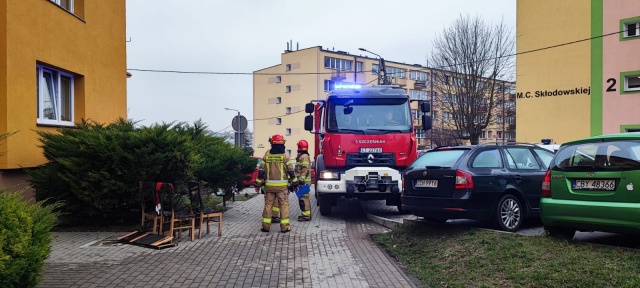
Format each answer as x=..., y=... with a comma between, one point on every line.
x=242, y=36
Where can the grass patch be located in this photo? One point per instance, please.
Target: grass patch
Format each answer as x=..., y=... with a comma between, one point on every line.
x=449, y=256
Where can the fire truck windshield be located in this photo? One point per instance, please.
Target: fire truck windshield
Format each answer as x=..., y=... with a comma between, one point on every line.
x=368, y=116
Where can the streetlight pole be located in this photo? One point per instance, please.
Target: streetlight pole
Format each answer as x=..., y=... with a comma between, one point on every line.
x=240, y=133
x=382, y=71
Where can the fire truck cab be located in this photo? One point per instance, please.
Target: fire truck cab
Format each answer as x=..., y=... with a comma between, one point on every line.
x=364, y=139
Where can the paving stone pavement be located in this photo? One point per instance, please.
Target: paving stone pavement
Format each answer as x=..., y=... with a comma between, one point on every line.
x=333, y=251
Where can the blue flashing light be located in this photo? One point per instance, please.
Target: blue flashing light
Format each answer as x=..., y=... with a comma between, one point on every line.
x=348, y=86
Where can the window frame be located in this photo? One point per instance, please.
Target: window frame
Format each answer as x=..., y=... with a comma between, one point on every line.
x=71, y=4
x=624, y=83
x=278, y=100
x=56, y=85
x=624, y=36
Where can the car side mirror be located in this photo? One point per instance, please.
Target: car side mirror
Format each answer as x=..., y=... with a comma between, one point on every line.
x=308, y=122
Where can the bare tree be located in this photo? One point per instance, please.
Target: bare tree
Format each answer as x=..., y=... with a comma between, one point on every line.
x=471, y=57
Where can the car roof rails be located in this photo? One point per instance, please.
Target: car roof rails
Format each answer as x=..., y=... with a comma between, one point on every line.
x=507, y=144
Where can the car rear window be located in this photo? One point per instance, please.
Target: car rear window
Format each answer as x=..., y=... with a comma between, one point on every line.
x=440, y=158
x=599, y=156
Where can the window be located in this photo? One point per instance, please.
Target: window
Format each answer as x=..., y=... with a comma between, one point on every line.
x=55, y=96
x=483, y=134
x=545, y=155
x=418, y=94
x=287, y=67
x=66, y=4
x=278, y=100
x=632, y=82
x=287, y=89
x=415, y=113
x=446, y=116
x=396, y=72
x=420, y=134
x=289, y=152
x=329, y=85
x=499, y=134
x=418, y=75
x=288, y=132
x=339, y=64
x=374, y=69
x=630, y=27
x=445, y=79
x=278, y=79
x=489, y=134
x=278, y=121
x=359, y=66
x=522, y=158
x=288, y=110
x=434, y=115
x=488, y=159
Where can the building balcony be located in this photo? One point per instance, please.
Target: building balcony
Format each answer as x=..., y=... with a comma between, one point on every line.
x=399, y=81
x=338, y=75
x=420, y=85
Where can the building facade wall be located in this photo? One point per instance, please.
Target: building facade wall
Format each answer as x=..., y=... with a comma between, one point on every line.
x=620, y=110
x=545, y=23
x=575, y=90
x=90, y=44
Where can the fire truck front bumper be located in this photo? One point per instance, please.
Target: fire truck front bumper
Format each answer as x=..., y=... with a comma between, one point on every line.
x=362, y=180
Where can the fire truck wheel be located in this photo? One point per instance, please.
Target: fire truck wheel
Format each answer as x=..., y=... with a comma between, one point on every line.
x=325, y=205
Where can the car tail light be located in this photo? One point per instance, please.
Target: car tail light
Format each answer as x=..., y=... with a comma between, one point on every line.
x=546, y=185
x=463, y=180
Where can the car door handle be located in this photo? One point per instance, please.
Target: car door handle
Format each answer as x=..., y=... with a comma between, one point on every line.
x=517, y=177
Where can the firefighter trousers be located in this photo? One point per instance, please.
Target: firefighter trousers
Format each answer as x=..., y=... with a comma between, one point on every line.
x=272, y=195
x=305, y=207
x=275, y=209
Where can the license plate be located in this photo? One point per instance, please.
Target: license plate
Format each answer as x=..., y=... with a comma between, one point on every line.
x=600, y=184
x=370, y=150
x=427, y=183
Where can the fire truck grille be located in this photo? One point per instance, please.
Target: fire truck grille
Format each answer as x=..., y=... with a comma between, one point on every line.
x=364, y=159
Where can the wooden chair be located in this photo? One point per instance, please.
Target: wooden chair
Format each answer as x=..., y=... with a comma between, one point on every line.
x=175, y=217
x=149, y=200
x=204, y=214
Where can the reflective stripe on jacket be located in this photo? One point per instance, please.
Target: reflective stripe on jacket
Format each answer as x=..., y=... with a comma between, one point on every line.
x=276, y=167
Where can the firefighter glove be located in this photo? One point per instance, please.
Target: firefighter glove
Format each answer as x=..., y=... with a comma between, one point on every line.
x=258, y=182
x=292, y=188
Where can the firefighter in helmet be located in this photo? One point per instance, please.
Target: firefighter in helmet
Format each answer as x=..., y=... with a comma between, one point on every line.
x=303, y=163
x=276, y=171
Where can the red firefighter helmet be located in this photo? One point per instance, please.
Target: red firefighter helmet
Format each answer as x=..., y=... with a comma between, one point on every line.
x=276, y=139
x=303, y=145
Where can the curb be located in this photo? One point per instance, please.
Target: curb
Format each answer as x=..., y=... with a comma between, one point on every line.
x=391, y=224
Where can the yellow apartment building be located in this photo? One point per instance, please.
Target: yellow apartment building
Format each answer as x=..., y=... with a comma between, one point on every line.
x=280, y=93
x=63, y=61
x=578, y=73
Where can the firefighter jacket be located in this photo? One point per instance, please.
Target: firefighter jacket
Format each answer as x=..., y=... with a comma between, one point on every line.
x=303, y=167
x=277, y=168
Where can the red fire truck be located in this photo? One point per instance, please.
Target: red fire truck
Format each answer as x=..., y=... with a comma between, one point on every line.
x=364, y=139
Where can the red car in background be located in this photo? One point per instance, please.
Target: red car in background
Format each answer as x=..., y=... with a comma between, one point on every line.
x=251, y=178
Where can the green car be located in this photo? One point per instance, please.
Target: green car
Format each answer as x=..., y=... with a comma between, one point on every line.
x=593, y=184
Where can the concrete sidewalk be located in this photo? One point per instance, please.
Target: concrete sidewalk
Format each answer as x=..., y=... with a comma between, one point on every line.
x=334, y=251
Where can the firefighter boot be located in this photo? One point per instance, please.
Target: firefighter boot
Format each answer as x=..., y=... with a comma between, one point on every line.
x=302, y=218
